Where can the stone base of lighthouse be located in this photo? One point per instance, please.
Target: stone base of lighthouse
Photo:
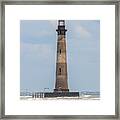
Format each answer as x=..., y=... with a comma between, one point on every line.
x=61, y=94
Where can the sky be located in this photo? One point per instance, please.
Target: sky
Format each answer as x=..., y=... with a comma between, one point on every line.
x=38, y=45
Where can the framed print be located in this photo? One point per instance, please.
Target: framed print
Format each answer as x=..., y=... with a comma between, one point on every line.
x=59, y=59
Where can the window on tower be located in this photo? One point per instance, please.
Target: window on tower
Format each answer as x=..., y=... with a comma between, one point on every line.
x=59, y=71
x=60, y=51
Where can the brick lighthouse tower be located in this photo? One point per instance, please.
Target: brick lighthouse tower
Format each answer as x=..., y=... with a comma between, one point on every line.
x=61, y=84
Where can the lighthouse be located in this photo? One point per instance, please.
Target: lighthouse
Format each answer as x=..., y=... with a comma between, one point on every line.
x=61, y=83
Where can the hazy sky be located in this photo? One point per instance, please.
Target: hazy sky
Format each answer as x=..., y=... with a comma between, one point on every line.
x=38, y=40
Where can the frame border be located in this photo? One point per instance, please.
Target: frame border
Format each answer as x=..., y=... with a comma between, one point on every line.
x=55, y=2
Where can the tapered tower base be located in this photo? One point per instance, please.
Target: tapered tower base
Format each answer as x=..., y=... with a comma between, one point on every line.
x=61, y=90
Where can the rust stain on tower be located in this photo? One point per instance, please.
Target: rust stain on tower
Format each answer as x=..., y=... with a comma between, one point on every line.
x=61, y=84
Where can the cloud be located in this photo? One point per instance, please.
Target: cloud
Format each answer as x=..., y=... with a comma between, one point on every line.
x=81, y=32
x=37, y=33
x=37, y=51
x=53, y=23
x=79, y=29
x=41, y=33
x=34, y=31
